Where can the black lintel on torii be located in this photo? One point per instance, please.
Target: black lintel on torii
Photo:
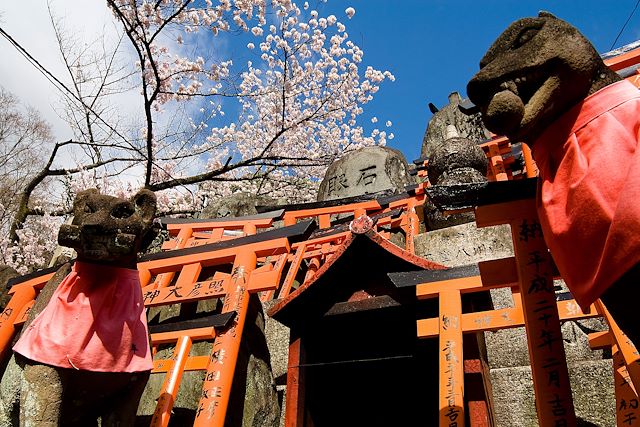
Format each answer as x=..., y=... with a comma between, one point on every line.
x=275, y=214
x=403, y=279
x=216, y=320
x=20, y=279
x=294, y=233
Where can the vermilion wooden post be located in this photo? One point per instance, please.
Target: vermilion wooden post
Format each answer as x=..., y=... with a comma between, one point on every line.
x=165, y=279
x=171, y=383
x=413, y=226
x=216, y=388
x=358, y=212
x=294, y=412
x=627, y=408
x=279, y=265
x=628, y=351
x=293, y=270
x=530, y=167
x=496, y=162
x=314, y=265
x=554, y=402
x=324, y=221
x=451, y=373
x=22, y=295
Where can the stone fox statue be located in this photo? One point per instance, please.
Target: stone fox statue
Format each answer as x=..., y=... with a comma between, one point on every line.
x=543, y=83
x=87, y=355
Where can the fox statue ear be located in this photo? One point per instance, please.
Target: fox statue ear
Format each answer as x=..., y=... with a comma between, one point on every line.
x=545, y=14
x=145, y=203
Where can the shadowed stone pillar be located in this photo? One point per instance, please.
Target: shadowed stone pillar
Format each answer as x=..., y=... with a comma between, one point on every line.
x=454, y=161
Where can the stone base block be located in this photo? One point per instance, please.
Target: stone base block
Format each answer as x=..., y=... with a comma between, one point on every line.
x=591, y=384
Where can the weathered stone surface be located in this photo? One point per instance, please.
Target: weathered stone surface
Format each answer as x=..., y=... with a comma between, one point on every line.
x=277, y=336
x=122, y=226
x=560, y=53
x=10, y=393
x=508, y=347
x=456, y=153
x=12, y=377
x=455, y=160
x=591, y=384
x=465, y=244
x=470, y=127
x=364, y=171
x=239, y=204
x=435, y=219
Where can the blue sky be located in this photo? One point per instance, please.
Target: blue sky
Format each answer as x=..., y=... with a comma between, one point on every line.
x=433, y=47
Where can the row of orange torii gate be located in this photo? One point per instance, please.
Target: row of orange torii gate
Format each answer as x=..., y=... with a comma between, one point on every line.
x=267, y=261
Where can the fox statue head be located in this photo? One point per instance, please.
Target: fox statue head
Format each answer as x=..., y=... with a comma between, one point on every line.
x=107, y=229
x=537, y=69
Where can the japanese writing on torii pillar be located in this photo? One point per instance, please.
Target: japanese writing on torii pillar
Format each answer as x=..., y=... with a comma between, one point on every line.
x=453, y=411
x=544, y=314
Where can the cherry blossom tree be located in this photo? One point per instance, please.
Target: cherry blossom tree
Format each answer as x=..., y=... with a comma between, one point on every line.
x=269, y=119
x=297, y=101
x=24, y=135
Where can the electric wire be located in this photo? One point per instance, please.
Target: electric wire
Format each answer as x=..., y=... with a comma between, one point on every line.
x=625, y=25
x=58, y=84
x=341, y=362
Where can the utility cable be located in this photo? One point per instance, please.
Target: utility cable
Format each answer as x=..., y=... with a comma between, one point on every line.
x=625, y=25
x=58, y=84
x=341, y=362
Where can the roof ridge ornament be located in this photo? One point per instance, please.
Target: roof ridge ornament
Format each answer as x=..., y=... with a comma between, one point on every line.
x=361, y=225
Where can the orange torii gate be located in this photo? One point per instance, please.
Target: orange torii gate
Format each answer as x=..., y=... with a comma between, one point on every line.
x=245, y=278
x=173, y=277
x=532, y=271
x=325, y=213
x=23, y=291
x=449, y=286
x=192, y=237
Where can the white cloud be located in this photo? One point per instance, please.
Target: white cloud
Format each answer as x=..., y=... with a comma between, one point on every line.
x=33, y=30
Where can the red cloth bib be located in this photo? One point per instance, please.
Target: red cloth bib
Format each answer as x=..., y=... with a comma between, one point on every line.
x=95, y=321
x=589, y=190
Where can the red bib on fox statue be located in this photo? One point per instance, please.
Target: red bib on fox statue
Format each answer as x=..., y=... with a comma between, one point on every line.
x=95, y=321
x=543, y=83
x=589, y=188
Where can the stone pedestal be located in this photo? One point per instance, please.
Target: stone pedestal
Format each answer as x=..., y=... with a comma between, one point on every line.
x=591, y=385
